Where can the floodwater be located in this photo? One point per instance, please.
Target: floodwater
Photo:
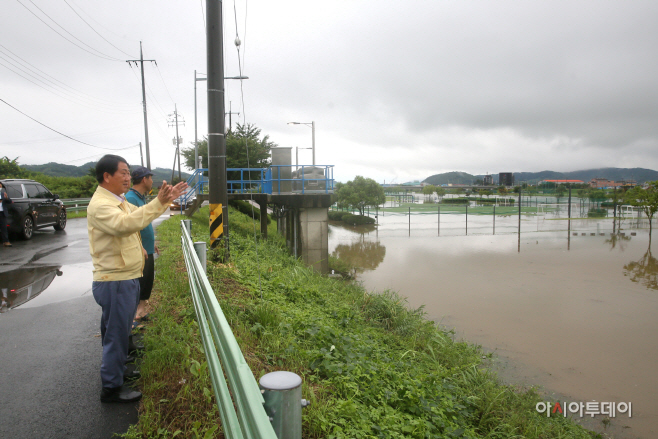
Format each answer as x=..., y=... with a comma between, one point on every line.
x=576, y=315
x=35, y=285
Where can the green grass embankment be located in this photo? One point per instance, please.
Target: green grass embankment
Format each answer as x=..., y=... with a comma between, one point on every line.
x=371, y=367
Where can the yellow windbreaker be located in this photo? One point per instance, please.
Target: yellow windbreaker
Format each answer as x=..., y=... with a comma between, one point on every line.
x=114, y=241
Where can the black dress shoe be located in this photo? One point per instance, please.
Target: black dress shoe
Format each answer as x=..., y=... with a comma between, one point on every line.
x=132, y=375
x=134, y=348
x=120, y=394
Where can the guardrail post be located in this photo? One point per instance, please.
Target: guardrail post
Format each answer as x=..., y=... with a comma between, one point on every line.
x=200, y=249
x=188, y=226
x=282, y=392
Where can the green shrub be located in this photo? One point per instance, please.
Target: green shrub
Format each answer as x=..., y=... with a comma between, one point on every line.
x=336, y=215
x=597, y=213
x=246, y=208
x=455, y=201
x=357, y=220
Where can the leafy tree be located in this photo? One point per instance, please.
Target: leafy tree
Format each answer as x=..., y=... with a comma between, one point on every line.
x=10, y=169
x=487, y=193
x=360, y=193
x=597, y=196
x=645, y=199
x=429, y=190
x=440, y=191
x=502, y=190
x=237, y=142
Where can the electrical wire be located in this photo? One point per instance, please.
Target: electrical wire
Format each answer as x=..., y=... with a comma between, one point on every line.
x=97, y=33
x=89, y=133
x=58, y=94
x=102, y=55
x=246, y=143
x=164, y=83
x=49, y=78
x=101, y=24
x=203, y=15
x=62, y=134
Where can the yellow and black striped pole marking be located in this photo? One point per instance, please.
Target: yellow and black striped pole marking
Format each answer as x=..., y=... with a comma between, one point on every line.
x=216, y=225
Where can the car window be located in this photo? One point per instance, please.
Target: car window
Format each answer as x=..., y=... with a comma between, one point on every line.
x=14, y=190
x=43, y=192
x=32, y=190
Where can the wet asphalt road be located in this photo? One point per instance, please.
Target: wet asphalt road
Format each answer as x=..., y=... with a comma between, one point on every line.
x=50, y=349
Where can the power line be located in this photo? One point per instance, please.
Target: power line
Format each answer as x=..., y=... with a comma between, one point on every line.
x=97, y=33
x=52, y=79
x=51, y=91
x=57, y=92
x=164, y=83
x=101, y=24
x=88, y=133
x=102, y=55
x=62, y=134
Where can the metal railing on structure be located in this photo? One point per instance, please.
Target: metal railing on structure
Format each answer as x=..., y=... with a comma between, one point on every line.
x=245, y=415
x=304, y=179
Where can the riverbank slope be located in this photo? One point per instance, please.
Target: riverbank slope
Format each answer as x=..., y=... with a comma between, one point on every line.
x=371, y=366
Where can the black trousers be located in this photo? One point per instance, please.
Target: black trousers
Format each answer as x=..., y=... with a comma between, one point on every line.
x=3, y=227
x=146, y=281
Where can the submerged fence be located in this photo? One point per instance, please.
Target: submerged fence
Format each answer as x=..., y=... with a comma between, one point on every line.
x=459, y=219
x=248, y=418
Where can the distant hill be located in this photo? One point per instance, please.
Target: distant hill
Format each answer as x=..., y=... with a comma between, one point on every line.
x=640, y=175
x=452, y=178
x=60, y=170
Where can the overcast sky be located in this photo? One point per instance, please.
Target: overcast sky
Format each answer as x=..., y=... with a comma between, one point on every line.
x=398, y=90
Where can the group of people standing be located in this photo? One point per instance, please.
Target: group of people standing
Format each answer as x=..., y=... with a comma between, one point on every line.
x=5, y=201
x=122, y=247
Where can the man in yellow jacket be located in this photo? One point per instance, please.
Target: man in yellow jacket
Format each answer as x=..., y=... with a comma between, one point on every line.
x=117, y=255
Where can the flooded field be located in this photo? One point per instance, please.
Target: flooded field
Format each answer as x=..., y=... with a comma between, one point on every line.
x=569, y=308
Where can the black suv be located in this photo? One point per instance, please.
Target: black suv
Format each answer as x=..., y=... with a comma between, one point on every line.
x=34, y=207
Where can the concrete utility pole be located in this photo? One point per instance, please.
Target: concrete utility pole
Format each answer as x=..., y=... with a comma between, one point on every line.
x=141, y=155
x=216, y=127
x=177, y=141
x=146, y=126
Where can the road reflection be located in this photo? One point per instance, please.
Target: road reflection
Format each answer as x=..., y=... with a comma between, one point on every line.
x=24, y=284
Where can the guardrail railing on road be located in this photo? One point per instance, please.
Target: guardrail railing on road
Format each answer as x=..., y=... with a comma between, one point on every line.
x=248, y=418
x=75, y=204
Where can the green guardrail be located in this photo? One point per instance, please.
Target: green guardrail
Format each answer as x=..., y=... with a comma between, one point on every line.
x=76, y=204
x=244, y=416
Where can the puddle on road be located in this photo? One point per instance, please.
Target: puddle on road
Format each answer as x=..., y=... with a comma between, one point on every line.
x=574, y=314
x=36, y=285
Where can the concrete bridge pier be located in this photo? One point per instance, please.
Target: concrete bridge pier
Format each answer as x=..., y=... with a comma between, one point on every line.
x=305, y=226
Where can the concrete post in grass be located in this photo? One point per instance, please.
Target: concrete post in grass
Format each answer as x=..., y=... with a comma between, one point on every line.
x=282, y=392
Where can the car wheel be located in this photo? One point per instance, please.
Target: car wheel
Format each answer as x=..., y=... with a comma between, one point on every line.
x=61, y=221
x=28, y=227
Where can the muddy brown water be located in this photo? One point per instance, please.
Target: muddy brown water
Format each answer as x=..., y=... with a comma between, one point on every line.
x=575, y=315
